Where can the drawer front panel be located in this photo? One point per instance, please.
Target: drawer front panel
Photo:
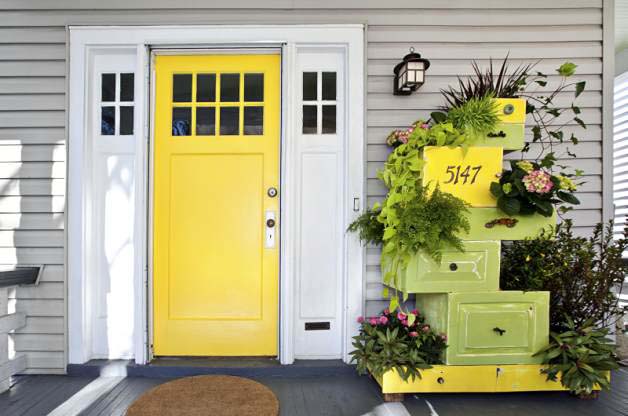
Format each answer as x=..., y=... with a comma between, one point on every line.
x=465, y=174
x=510, y=136
x=511, y=110
x=493, y=224
x=506, y=327
x=475, y=269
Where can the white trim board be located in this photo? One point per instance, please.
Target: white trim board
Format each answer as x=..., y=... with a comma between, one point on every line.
x=139, y=39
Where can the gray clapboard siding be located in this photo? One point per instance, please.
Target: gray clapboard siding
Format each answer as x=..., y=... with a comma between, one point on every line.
x=449, y=33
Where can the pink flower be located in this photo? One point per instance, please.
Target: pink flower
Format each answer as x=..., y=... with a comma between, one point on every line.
x=415, y=312
x=360, y=319
x=413, y=334
x=538, y=181
x=386, y=311
x=383, y=320
x=373, y=321
x=404, y=322
x=443, y=336
x=425, y=126
x=425, y=328
x=401, y=316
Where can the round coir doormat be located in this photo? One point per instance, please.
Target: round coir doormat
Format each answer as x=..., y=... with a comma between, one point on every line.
x=207, y=395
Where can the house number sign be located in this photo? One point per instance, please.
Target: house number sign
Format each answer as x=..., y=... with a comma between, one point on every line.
x=466, y=174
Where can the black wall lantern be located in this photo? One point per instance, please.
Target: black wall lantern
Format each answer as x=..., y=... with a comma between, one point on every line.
x=410, y=74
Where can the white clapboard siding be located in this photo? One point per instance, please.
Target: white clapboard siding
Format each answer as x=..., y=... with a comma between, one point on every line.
x=620, y=145
x=450, y=33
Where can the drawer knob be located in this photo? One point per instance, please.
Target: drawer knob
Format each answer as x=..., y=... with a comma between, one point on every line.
x=440, y=380
x=453, y=267
x=509, y=109
x=499, y=331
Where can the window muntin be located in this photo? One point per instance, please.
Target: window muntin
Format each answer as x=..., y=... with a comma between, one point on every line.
x=117, y=106
x=319, y=106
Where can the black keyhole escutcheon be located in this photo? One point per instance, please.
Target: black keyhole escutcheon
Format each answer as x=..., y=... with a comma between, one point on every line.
x=270, y=223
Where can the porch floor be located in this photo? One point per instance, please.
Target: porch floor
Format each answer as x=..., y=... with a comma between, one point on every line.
x=343, y=394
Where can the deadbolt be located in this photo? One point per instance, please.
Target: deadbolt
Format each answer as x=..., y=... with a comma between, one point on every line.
x=270, y=223
x=509, y=109
x=272, y=192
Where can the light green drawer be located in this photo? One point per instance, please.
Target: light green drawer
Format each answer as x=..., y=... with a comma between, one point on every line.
x=506, y=327
x=483, y=226
x=507, y=135
x=474, y=270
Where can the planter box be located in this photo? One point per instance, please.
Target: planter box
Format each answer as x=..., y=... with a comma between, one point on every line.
x=508, y=136
x=467, y=175
x=484, y=227
x=471, y=379
x=506, y=327
x=477, y=269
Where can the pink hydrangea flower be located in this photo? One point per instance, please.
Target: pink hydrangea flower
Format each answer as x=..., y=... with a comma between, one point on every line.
x=538, y=181
x=413, y=334
x=360, y=319
x=383, y=320
x=373, y=321
x=425, y=328
x=401, y=316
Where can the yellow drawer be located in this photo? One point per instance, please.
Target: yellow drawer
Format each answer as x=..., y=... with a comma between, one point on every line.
x=511, y=110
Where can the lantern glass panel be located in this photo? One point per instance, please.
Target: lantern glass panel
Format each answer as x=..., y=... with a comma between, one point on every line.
x=416, y=65
x=411, y=76
x=420, y=77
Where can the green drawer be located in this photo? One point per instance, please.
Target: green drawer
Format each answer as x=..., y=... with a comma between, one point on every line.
x=506, y=327
x=474, y=270
x=482, y=226
x=511, y=137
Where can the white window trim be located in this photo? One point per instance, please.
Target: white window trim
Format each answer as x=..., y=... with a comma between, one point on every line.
x=140, y=38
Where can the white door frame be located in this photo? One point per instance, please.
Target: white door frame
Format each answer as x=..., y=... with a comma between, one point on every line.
x=83, y=39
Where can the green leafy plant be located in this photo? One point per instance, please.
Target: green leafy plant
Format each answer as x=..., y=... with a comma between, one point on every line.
x=438, y=133
x=581, y=357
x=368, y=227
x=499, y=83
x=528, y=188
x=476, y=116
x=582, y=275
x=397, y=341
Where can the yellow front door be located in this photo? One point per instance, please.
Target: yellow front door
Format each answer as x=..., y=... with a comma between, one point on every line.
x=216, y=260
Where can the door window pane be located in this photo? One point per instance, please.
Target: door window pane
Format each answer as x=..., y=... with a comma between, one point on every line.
x=205, y=121
x=329, y=86
x=253, y=120
x=229, y=121
x=126, y=120
x=181, y=120
x=108, y=87
x=182, y=88
x=206, y=88
x=253, y=87
x=108, y=121
x=329, y=119
x=230, y=87
x=309, y=119
x=309, y=86
x=127, y=87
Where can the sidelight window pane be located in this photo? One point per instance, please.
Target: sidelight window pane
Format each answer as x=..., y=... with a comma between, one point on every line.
x=108, y=121
x=126, y=120
x=310, y=86
x=329, y=86
x=329, y=119
x=108, y=87
x=127, y=87
x=309, y=119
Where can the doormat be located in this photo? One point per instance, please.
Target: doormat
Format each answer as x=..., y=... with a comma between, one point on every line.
x=207, y=395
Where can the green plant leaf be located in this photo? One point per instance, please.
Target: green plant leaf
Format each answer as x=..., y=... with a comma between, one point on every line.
x=568, y=197
x=580, y=88
x=567, y=69
x=438, y=116
x=510, y=206
x=580, y=122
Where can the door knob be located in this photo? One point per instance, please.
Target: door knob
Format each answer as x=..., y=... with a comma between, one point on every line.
x=270, y=223
x=272, y=192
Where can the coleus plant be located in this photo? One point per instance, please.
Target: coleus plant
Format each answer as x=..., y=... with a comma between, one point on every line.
x=527, y=188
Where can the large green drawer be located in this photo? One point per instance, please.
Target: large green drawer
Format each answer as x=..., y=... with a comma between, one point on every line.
x=474, y=270
x=506, y=327
x=507, y=135
x=483, y=225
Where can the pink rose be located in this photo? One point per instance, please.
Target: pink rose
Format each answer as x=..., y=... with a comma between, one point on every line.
x=360, y=319
x=413, y=334
x=383, y=320
x=401, y=316
x=373, y=321
x=425, y=328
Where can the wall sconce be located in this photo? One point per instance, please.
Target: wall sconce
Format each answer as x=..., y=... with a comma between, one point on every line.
x=410, y=74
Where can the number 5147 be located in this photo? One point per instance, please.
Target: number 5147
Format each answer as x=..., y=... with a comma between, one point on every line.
x=458, y=174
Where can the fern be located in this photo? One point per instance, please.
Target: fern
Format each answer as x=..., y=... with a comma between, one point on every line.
x=477, y=116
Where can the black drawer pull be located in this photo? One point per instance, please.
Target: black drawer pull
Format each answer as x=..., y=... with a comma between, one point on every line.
x=440, y=380
x=499, y=331
x=453, y=267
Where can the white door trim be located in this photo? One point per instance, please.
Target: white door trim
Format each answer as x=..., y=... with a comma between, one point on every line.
x=140, y=38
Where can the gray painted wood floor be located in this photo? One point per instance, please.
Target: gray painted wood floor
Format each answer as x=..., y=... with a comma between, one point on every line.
x=344, y=395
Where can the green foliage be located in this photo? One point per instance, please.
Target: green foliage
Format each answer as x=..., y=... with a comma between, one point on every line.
x=395, y=341
x=369, y=228
x=567, y=69
x=528, y=187
x=581, y=356
x=581, y=274
x=477, y=116
x=501, y=83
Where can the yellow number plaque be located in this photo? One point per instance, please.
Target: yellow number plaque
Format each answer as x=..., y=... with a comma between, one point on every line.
x=467, y=175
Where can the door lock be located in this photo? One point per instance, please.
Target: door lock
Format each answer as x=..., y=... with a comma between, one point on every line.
x=270, y=223
x=270, y=229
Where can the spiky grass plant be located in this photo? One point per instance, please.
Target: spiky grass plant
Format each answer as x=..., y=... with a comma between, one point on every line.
x=476, y=116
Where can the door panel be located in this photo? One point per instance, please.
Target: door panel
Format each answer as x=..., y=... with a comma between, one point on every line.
x=216, y=154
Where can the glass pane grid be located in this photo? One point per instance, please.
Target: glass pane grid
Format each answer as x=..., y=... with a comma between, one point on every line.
x=116, y=102
x=319, y=103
